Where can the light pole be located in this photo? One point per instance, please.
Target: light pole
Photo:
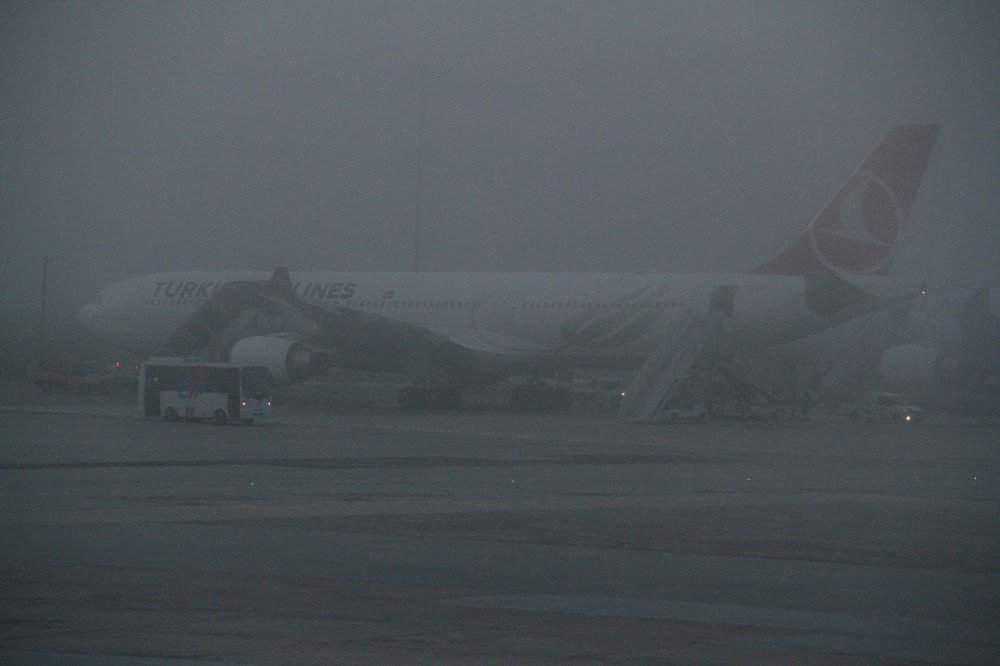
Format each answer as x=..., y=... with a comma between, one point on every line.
x=41, y=324
x=418, y=199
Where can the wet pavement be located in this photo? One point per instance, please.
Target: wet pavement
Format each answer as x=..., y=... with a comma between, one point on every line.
x=354, y=534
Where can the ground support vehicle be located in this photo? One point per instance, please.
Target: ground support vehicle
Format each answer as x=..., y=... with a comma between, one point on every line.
x=71, y=377
x=598, y=393
x=884, y=406
x=194, y=390
x=734, y=393
x=686, y=411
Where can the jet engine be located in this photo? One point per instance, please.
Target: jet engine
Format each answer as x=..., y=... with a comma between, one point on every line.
x=289, y=361
x=916, y=366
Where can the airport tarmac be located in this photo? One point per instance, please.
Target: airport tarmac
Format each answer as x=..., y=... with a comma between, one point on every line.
x=379, y=535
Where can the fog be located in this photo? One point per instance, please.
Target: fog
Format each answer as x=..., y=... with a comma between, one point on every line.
x=553, y=136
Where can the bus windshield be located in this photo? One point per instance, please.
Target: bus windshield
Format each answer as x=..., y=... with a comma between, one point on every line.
x=256, y=382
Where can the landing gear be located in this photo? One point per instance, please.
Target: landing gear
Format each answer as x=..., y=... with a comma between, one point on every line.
x=430, y=396
x=534, y=395
x=541, y=396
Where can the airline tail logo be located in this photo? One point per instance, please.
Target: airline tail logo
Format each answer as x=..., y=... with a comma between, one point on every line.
x=856, y=232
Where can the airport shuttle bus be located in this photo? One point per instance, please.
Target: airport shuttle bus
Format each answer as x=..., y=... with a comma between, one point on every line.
x=177, y=388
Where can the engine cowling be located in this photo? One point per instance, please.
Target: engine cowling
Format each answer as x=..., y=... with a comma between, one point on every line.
x=915, y=366
x=288, y=361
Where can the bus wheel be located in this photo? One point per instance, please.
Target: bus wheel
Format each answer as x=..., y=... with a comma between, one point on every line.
x=247, y=421
x=170, y=414
x=220, y=417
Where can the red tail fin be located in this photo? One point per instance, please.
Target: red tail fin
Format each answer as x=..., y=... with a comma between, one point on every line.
x=857, y=230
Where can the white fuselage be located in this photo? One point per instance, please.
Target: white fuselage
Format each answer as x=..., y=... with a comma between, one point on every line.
x=574, y=314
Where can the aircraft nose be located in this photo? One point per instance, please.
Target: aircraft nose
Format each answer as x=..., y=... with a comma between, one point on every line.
x=94, y=319
x=85, y=317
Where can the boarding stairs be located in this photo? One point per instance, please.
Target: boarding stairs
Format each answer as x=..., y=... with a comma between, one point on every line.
x=219, y=312
x=648, y=395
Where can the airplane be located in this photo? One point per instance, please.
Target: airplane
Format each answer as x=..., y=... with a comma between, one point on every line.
x=950, y=338
x=945, y=343
x=450, y=330
x=947, y=339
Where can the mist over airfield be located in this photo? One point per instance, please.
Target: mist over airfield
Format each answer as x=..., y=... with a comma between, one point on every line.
x=554, y=136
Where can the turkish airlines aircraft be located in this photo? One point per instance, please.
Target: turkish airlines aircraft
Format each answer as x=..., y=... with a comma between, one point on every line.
x=948, y=339
x=940, y=345
x=457, y=328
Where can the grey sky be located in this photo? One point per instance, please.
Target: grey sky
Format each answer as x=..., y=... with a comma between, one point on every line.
x=558, y=136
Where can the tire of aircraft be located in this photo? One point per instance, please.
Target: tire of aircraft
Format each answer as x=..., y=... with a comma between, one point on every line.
x=220, y=417
x=247, y=421
x=429, y=397
x=541, y=397
x=170, y=414
x=448, y=397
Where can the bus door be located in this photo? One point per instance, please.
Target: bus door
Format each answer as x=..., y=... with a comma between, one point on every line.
x=226, y=380
x=157, y=378
x=151, y=393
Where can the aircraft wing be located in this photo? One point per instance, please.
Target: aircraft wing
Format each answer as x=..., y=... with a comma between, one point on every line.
x=347, y=328
x=496, y=344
